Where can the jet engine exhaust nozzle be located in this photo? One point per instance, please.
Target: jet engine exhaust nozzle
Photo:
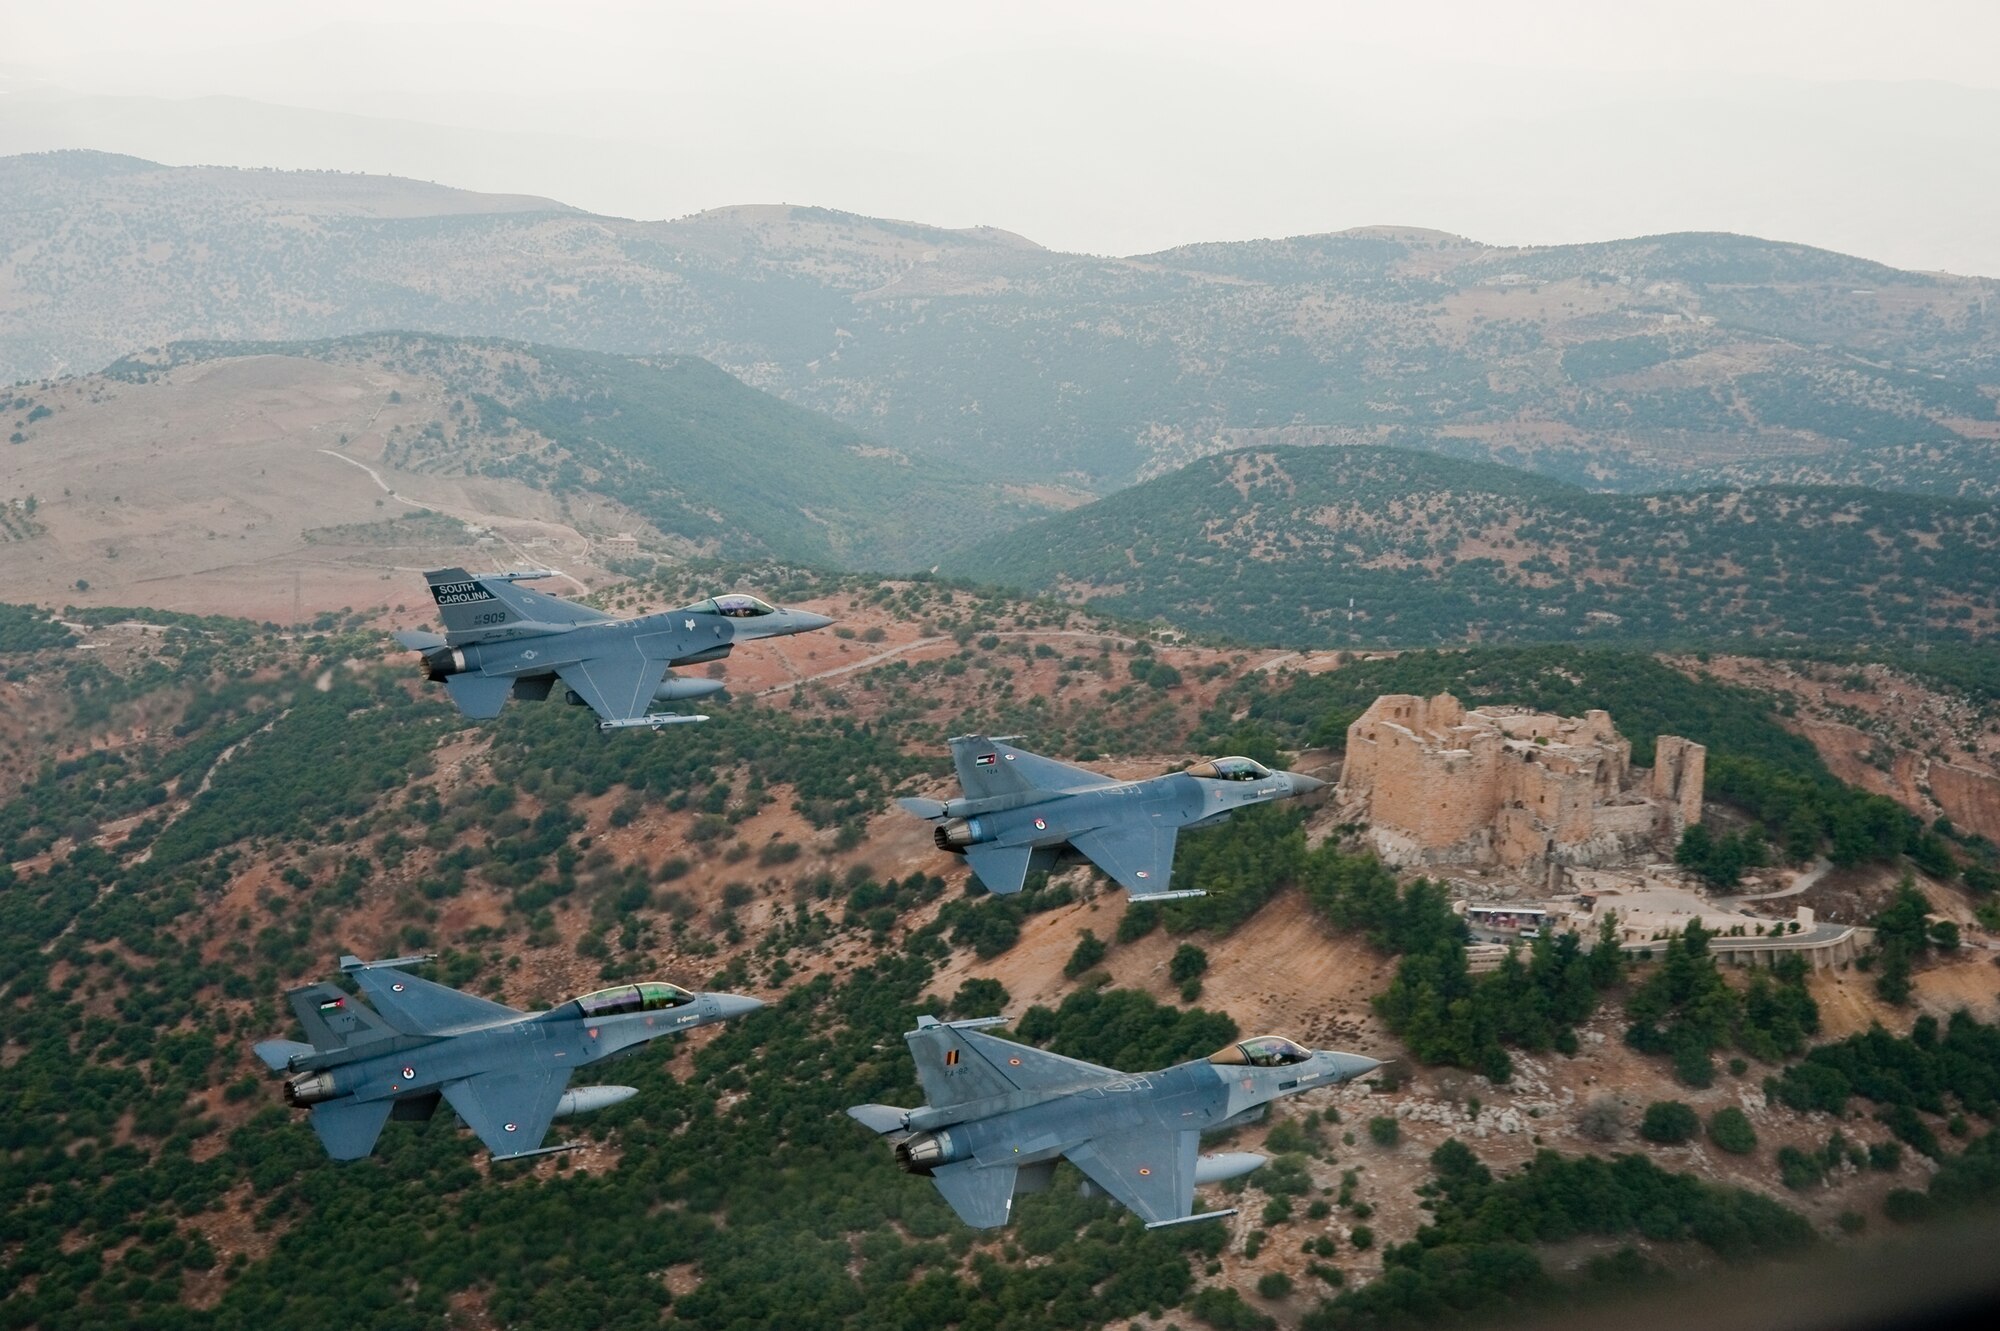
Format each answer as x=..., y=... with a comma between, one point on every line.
x=958, y=833
x=441, y=665
x=302, y=1091
x=921, y=1155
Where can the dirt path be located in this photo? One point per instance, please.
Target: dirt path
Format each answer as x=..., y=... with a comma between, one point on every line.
x=893, y=652
x=488, y=520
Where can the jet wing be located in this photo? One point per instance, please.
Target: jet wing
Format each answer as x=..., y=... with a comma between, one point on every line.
x=1139, y=855
x=988, y=769
x=510, y=1111
x=1149, y=1172
x=419, y=1007
x=618, y=686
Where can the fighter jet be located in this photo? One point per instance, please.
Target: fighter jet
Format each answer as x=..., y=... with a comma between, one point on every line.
x=1021, y=811
x=1001, y=1113
x=505, y=640
x=505, y=1071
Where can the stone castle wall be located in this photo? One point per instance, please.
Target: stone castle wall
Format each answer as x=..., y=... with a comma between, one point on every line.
x=1505, y=787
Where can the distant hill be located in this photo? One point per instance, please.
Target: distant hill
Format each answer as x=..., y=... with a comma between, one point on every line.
x=1269, y=545
x=214, y=477
x=1627, y=365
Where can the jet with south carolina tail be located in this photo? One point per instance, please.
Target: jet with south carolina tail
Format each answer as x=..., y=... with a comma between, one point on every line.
x=503, y=640
x=505, y=1071
x=1022, y=812
x=1001, y=1114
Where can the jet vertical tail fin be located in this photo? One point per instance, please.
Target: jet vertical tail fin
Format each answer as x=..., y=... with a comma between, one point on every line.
x=994, y=769
x=334, y=1019
x=479, y=606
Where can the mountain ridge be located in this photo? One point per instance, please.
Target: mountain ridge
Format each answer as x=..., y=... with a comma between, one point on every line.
x=1622, y=364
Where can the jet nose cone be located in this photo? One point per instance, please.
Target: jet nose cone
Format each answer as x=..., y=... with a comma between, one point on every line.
x=733, y=1005
x=1305, y=785
x=805, y=621
x=1347, y=1067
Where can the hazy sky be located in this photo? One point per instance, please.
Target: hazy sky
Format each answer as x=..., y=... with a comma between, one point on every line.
x=1115, y=127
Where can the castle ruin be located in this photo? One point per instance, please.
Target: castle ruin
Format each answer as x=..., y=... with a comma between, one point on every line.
x=1508, y=788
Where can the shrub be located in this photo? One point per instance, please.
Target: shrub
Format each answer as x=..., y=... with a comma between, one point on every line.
x=1669, y=1122
x=1799, y=1169
x=1730, y=1130
x=1089, y=951
x=1189, y=962
x=1274, y=1285
x=1384, y=1131
x=1363, y=1238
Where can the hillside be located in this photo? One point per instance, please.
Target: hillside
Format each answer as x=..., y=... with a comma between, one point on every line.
x=206, y=814
x=211, y=814
x=1624, y=365
x=226, y=477
x=1269, y=545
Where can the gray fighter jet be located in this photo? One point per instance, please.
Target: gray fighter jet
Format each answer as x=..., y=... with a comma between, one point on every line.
x=505, y=640
x=1000, y=1114
x=505, y=1071
x=1021, y=812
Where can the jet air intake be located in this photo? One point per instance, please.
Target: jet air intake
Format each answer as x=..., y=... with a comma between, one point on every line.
x=958, y=833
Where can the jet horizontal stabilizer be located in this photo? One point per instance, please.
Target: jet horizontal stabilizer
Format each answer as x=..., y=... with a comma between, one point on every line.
x=1166, y=896
x=652, y=722
x=418, y=640
x=1191, y=1219
x=277, y=1055
x=881, y=1119
x=931, y=809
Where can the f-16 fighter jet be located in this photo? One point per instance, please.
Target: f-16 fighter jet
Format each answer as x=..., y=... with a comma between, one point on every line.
x=506, y=1072
x=1021, y=811
x=503, y=640
x=1001, y=1113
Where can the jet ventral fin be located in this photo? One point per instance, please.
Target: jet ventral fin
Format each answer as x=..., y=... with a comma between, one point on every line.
x=421, y=1007
x=348, y=1128
x=983, y=1195
x=1138, y=856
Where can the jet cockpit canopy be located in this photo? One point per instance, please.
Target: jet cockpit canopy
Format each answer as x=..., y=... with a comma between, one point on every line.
x=625, y=998
x=1231, y=769
x=735, y=605
x=1261, y=1051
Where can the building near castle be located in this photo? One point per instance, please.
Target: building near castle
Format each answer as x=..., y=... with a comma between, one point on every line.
x=1501, y=787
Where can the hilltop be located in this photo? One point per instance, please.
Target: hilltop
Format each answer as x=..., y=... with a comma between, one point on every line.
x=1622, y=365
x=256, y=477
x=1269, y=545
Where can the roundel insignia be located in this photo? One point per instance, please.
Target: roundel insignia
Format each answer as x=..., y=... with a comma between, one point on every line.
x=1143, y=874
x=593, y=1032
x=409, y=1074
x=1143, y=1171
x=1041, y=825
x=1013, y=1062
x=511, y=1127
x=398, y=987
